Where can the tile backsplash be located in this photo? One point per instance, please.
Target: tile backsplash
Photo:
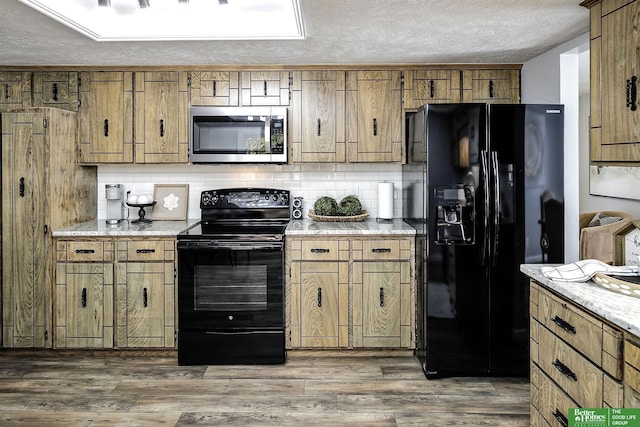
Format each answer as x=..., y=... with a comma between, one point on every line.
x=307, y=181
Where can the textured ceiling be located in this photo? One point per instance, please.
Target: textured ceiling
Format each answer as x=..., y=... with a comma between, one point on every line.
x=338, y=32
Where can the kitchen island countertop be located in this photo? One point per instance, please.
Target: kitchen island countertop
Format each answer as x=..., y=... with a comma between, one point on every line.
x=369, y=226
x=99, y=228
x=620, y=310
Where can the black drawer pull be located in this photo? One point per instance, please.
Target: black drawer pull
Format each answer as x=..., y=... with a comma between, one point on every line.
x=564, y=370
x=381, y=297
x=319, y=127
x=85, y=251
x=7, y=92
x=380, y=250
x=631, y=93
x=83, y=297
x=106, y=127
x=215, y=88
x=21, y=185
x=319, y=297
x=432, y=91
x=265, y=88
x=144, y=297
x=375, y=127
x=560, y=417
x=161, y=128
x=491, y=89
x=320, y=251
x=54, y=91
x=145, y=251
x=564, y=324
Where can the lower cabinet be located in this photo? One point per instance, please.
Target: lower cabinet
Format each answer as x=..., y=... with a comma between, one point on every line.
x=115, y=293
x=577, y=360
x=350, y=293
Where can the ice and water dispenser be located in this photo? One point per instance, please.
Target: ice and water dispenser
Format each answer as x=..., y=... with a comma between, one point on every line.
x=455, y=214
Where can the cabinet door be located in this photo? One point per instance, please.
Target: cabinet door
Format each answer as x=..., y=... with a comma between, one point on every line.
x=318, y=132
x=374, y=116
x=213, y=88
x=161, y=117
x=84, y=307
x=24, y=254
x=620, y=76
x=145, y=304
x=491, y=86
x=265, y=88
x=431, y=87
x=15, y=89
x=319, y=305
x=57, y=89
x=105, y=117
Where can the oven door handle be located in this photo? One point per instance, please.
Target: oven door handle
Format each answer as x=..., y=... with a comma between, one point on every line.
x=232, y=246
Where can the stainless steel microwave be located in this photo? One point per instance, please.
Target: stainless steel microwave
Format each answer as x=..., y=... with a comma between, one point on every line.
x=238, y=135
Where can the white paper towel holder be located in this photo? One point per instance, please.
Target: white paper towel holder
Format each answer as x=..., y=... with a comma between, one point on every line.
x=385, y=219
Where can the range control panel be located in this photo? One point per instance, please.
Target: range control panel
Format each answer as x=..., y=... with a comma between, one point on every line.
x=247, y=198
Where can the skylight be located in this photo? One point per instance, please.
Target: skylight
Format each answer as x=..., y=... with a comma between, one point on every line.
x=128, y=20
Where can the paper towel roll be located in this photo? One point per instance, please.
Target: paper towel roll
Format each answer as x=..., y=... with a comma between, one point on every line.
x=385, y=200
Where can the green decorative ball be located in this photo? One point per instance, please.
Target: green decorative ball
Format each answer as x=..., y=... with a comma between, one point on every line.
x=350, y=206
x=326, y=206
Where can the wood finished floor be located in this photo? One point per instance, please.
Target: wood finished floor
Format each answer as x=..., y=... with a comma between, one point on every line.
x=50, y=389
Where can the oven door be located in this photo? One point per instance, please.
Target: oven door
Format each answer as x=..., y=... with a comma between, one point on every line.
x=230, y=286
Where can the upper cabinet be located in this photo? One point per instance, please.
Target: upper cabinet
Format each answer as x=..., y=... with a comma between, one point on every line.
x=105, y=117
x=15, y=89
x=491, y=86
x=213, y=88
x=374, y=116
x=615, y=119
x=318, y=117
x=161, y=117
x=431, y=87
x=265, y=88
x=57, y=89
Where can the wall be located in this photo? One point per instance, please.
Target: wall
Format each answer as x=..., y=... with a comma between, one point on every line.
x=308, y=181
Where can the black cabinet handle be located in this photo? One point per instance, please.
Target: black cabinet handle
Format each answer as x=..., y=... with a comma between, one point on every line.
x=21, y=185
x=144, y=297
x=562, y=419
x=319, y=128
x=161, y=128
x=319, y=297
x=381, y=297
x=145, y=251
x=490, y=88
x=632, y=93
x=564, y=370
x=85, y=251
x=564, y=324
x=54, y=91
x=83, y=297
x=380, y=250
x=6, y=91
x=432, y=89
x=106, y=127
x=215, y=88
x=265, y=88
x=320, y=251
x=375, y=127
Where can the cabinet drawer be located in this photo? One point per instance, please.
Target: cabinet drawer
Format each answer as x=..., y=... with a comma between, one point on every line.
x=320, y=250
x=575, y=374
x=554, y=403
x=571, y=324
x=632, y=365
x=85, y=251
x=145, y=250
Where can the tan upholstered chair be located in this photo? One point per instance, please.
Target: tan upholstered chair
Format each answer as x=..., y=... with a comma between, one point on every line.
x=597, y=242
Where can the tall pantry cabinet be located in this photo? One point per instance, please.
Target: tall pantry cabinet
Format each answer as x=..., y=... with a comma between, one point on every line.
x=42, y=188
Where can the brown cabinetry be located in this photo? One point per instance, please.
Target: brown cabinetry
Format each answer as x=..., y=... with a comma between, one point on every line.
x=615, y=111
x=491, y=86
x=84, y=294
x=576, y=359
x=161, y=117
x=267, y=88
x=213, y=88
x=431, y=87
x=350, y=292
x=318, y=117
x=15, y=90
x=57, y=89
x=105, y=117
x=374, y=116
x=42, y=189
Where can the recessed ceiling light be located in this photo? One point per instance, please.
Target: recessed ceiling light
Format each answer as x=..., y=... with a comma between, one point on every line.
x=122, y=20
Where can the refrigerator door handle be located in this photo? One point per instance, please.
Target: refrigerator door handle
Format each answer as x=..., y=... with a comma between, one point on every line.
x=486, y=248
x=496, y=205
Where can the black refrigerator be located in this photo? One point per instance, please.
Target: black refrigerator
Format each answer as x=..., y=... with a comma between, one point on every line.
x=483, y=186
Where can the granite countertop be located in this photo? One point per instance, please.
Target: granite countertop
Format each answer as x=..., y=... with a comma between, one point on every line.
x=99, y=228
x=368, y=226
x=620, y=310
